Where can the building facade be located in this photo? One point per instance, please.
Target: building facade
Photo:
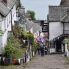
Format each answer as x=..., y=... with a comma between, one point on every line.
x=7, y=18
x=58, y=19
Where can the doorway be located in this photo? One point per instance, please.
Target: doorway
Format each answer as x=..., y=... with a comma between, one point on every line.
x=58, y=46
x=58, y=43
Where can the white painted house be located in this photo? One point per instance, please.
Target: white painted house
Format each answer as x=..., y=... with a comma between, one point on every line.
x=58, y=19
x=7, y=18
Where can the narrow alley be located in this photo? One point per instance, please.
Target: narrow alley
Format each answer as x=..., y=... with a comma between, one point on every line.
x=47, y=62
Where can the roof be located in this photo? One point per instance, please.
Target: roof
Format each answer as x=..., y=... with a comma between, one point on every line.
x=5, y=9
x=36, y=27
x=64, y=14
x=11, y=3
x=30, y=24
x=54, y=13
x=58, y=13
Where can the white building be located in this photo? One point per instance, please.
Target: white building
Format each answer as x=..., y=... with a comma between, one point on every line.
x=7, y=18
x=58, y=20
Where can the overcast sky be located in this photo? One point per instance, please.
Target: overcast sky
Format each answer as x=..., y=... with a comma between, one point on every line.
x=39, y=6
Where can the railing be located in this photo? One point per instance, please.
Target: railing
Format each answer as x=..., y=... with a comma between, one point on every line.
x=66, y=31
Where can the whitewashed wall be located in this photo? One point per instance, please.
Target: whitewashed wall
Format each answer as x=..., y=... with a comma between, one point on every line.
x=14, y=14
x=66, y=26
x=4, y=38
x=8, y=22
x=55, y=29
x=1, y=25
x=5, y=23
x=3, y=41
x=0, y=44
x=5, y=26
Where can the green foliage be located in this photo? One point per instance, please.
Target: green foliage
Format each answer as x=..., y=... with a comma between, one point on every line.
x=31, y=14
x=1, y=32
x=35, y=46
x=17, y=31
x=9, y=49
x=66, y=60
x=66, y=41
x=14, y=42
x=30, y=37
x=13, y=48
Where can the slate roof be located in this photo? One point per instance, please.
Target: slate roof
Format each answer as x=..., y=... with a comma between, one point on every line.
x=54, y=13
x=36, y=27
x=5, y=9
x=58, y=13
x=30, y=24
x=64, y=14
x=66, y=19
x=11, y=3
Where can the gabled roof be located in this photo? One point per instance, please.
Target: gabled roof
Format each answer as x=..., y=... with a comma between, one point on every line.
x=54, y=13
x=30, y=24
x=58, y=13
x=66, y=19
x=5, y=9
x=36, y=27
x=64, y=14
x=11, y=3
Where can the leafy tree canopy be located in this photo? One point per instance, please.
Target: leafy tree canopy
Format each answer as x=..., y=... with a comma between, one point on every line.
x=31, y=14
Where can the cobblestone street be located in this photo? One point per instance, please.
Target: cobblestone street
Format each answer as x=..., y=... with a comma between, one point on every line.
x=46, y=62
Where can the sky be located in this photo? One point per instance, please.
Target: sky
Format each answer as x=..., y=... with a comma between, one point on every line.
x=40, y=7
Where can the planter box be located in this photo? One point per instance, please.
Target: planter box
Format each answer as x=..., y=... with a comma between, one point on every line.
x=16, y=61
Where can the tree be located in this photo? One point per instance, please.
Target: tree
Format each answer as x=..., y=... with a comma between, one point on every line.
x=31, y=14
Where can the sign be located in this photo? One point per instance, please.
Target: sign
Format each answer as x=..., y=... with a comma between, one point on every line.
x=45, y=28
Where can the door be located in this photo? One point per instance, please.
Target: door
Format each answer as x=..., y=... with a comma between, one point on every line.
x=58, y=46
